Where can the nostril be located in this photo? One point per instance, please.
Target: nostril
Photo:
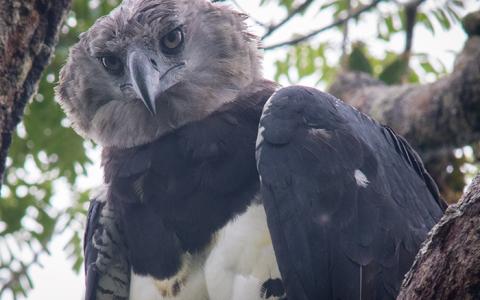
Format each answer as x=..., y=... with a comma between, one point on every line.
x=154, y=63
x=125, y=86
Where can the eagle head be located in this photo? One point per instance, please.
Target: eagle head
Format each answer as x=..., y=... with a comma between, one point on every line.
x=151, y=66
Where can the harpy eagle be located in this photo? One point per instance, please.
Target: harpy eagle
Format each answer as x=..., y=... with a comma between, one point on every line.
x=220, y=184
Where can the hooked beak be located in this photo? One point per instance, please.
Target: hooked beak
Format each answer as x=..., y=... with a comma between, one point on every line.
x=149, y=78
x=145, y=79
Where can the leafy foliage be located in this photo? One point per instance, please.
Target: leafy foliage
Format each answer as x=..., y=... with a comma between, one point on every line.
x=45, y=155
x=392, y=67
x=358, y=60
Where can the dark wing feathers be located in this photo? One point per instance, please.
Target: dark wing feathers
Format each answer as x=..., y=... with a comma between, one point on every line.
x=90, y=253
x=348, y=202
x=107, y=271
x=405, y=150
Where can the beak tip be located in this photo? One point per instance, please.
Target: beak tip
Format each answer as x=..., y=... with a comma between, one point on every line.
x=143, y=75
x=151, y=107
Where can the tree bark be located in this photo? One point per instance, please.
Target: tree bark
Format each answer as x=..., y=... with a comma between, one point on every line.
x=448, y=265
x=28, y=34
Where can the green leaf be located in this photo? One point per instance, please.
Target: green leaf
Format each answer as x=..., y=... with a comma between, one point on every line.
x=423, y=19
x=413, y=77
x=358, y=61
x=389, y=23
x=454, y=16
x=394, y=72
x=328, y=4
x=427, y=67
x=282, y=68
x=442, y=19
x=305, y=60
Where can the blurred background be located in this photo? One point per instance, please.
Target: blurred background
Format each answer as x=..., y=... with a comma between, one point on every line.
x=51, y=170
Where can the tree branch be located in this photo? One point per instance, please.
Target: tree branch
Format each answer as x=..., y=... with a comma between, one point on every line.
x=410, y=19
x=28, y=34
x=433, y=117
x=336, y=23
x=346, y=33
x=293, y=13
x=411, y=9
x=448, y=265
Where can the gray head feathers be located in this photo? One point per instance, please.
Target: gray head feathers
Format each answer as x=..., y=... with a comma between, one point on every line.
x=217, y=59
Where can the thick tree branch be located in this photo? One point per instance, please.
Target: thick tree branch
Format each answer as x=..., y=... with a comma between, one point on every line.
x=433, y=117
x=28, y=34
x=448, y=265
x=292, y=14
x=411, y=9
x=346, y=32
x=354, y=14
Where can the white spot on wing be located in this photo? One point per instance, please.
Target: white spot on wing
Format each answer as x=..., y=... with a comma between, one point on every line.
x=322, y=219
x=319, y=132
x=361, y=179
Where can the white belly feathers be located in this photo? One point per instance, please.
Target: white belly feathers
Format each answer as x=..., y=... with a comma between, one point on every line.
x=240, y=261
x=243, y=258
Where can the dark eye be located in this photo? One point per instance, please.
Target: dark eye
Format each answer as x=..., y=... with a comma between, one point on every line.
x=172, y=42
x=112, y=64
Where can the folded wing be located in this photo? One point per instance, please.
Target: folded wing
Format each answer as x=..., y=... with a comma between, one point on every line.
x=348, y=202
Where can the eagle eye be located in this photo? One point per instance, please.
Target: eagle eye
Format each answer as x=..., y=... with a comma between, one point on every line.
x=112, y=64
x=172, y=42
